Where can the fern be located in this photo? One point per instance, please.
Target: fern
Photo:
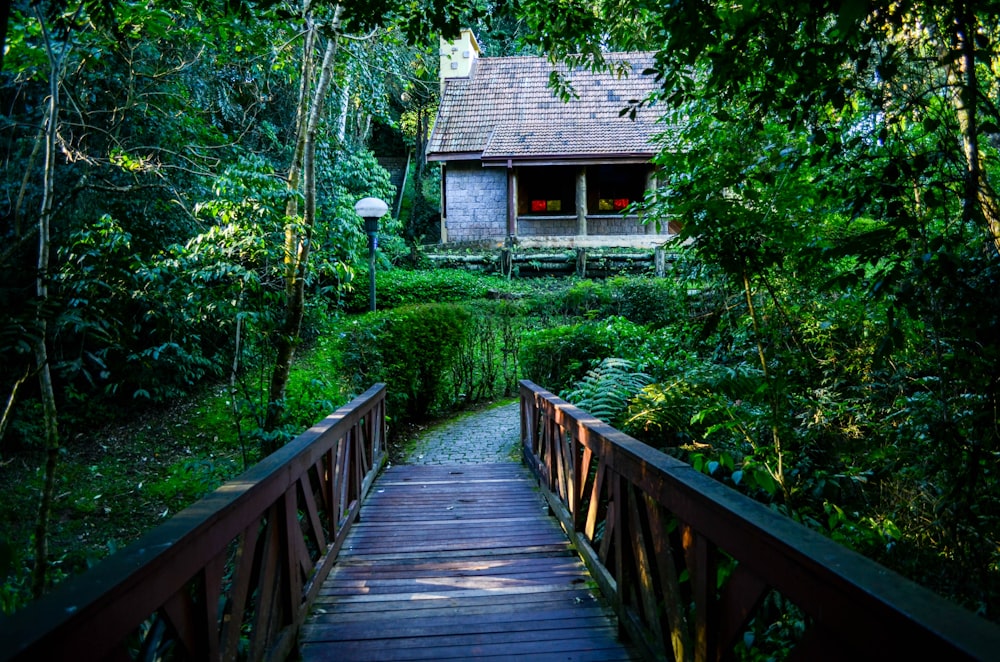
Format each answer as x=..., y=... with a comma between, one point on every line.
x=699, y=404
x=606, y=390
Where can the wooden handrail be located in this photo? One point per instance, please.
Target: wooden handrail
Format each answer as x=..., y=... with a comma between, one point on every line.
x=660, y=537
x=231, y=576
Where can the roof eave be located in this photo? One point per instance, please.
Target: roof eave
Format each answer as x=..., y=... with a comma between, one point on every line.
x=454, y=156
x=569, y=159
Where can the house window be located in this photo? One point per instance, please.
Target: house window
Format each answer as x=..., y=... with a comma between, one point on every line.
x=546, y=191
x=612, y=188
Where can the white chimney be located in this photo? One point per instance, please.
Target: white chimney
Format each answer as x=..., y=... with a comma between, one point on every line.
x=457, y=56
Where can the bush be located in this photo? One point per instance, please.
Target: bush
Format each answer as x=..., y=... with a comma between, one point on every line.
x=411, y=349
x=586, y=298
x=486, y=365
x=400, y=287
x=559, y=357
x=654, y=301
x=606, y=390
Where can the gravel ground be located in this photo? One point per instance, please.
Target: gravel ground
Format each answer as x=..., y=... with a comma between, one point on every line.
x=482, y=437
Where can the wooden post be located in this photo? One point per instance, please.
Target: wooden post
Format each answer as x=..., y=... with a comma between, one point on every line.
x=581, y=201
x=511, y=200
x=660, y=261
x=651, y=185
x=444, y=203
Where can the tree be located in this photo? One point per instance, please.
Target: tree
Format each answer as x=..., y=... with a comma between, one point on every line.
x=57, y=61
x=322, y=23
x=835, y=161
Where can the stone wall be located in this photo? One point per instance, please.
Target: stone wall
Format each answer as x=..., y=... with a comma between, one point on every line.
x=614, y=225
x=477, y=210
x=540, y=227
x=476, y=202
x=596, y=225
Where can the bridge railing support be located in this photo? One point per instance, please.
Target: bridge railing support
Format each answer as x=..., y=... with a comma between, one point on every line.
x=230, y=577
x=688, y=563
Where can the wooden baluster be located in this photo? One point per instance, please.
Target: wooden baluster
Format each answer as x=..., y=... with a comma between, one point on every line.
x=740, y=599
x=296, y=559
x=354, y=468
x=266, y=609
x=582, y=478
x=614, y=529
x=364, y=443
x=594, y=507
x=674, y=609
x=551, y=434
x=563, y=464
x=702, y=566
x=645, y=573
x=212, y=582
x=380, y=417
x=346, y=463
x=337, y=482
x=239, y=592
x=312, y=512
x=192, y=618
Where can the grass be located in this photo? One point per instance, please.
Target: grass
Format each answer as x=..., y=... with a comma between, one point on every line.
x=117, y=482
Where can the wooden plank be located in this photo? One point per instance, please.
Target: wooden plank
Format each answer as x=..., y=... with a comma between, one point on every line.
x=470, y=646
x=479, y=624
x=492, y=612
x=458, y=562
x=337, y=608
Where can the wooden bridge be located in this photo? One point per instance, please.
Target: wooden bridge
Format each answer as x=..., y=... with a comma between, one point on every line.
x=466, y=565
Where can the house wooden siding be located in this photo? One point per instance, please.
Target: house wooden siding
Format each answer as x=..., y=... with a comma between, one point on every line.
x=519, y=162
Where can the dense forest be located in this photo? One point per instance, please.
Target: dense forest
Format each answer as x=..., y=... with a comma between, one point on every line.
x=177, y=197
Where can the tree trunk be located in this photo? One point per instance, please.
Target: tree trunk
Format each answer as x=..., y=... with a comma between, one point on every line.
x=344, y=104
x=295, y=169
x=47, y=392
x=978, y=202
x=288, y=334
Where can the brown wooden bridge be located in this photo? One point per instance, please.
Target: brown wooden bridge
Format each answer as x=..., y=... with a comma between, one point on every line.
x=466, y=562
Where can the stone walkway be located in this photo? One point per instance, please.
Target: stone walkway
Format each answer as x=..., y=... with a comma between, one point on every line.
x=481, y=437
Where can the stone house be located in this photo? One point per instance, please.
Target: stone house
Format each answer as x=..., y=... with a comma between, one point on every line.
x=519, y=163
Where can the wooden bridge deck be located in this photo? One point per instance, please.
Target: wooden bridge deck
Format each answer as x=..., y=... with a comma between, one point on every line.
x=458, y=562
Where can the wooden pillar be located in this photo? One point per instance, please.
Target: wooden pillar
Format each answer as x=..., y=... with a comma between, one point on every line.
x=581, y=201
x=660, y=261
x=444, y=203
x=511, y=200
x=651, y=186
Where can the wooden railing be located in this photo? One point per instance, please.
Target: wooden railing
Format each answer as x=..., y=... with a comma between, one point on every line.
x=230, y=577
x=688, y=563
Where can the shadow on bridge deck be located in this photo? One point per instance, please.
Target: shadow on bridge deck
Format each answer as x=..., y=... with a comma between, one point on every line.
x=459, y=562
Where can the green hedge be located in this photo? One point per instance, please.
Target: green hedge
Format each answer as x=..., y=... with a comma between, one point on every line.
x=401, y=287
x=558, y=357
x=411, y=349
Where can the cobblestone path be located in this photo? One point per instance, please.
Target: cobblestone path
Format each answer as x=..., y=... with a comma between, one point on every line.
x=482, y=437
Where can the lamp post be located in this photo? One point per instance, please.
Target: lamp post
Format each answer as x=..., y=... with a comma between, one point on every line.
x=371, y=209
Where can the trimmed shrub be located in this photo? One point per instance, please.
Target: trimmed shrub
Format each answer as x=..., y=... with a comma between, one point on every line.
x=586, y=298
x=559, y=357
x=654, y=301
x=411, y=349
x=401, y=287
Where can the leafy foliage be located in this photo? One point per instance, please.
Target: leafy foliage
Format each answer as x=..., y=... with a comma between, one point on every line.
x=606, y=390
x=401, y=287
x=412, y=348
x=559, y=357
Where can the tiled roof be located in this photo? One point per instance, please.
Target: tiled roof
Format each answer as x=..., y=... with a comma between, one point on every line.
x=505, y=109
x=571, y=139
